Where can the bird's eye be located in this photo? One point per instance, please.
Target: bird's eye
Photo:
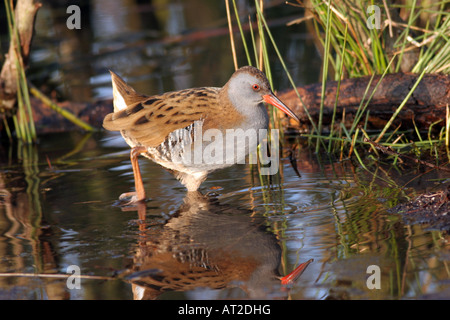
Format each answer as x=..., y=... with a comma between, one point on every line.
x=256, y=87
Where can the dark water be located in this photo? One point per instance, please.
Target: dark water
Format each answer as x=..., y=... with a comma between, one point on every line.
x=235, y=240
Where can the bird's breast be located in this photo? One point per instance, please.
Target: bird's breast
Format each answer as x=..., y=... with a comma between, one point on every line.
x=201, y=148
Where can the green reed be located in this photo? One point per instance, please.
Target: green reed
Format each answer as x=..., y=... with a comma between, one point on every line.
x=352, y=49
x=23, y=119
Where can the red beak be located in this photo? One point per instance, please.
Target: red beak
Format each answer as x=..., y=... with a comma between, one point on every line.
x=291, y=277
x=273, y=100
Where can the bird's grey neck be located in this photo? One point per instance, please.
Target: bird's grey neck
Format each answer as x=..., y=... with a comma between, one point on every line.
x=241, y=105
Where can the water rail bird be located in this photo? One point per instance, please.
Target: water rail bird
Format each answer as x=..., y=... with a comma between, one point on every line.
x=167, y=128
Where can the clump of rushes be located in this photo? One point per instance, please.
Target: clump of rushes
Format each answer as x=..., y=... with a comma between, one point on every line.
x=353, y=46
x=369, y=46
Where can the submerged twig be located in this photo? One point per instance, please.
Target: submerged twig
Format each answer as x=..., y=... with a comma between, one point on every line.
x=66, y=114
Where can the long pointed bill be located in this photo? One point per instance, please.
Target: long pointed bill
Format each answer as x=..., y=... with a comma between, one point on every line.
x=291, y=277
x=273, y=100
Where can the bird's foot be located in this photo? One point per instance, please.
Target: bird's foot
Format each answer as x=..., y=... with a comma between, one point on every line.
x=130, y=199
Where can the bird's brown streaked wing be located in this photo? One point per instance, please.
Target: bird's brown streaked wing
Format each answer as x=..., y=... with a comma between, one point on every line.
x=151, y=119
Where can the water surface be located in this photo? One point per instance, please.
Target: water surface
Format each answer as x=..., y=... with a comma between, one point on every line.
x=234, y=240
x=58, y=199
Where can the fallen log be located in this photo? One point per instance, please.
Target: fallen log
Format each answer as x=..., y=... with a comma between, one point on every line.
x=48, y=121
x=426, y=105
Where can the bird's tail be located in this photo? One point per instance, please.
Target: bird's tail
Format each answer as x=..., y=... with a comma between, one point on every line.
x=123, y=94
x=124, y=98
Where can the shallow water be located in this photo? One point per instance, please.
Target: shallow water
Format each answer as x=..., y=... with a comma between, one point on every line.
x=58, y=199
x=59, y=208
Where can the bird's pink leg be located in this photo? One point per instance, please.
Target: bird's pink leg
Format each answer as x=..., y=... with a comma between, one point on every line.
x=139, y=193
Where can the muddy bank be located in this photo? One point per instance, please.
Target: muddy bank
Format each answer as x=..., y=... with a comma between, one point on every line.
x=430, y=209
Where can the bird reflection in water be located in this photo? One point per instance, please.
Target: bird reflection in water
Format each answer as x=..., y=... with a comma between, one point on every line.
x=206, y=244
